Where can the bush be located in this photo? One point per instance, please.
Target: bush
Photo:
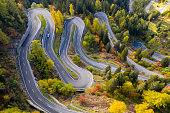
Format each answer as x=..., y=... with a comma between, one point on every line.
x=90, y=68
x=150, y=68
x=165, y=62
x=82, y=100
x=144, y=63
x=165, y=71
x=117, y=107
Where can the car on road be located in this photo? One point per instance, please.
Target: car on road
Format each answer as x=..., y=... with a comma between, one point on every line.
x=48, y=36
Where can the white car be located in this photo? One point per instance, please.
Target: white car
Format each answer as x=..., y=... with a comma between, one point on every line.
x=48, y=36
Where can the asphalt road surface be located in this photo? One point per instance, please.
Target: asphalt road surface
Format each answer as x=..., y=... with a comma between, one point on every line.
x=165, y=7
x=29, y=81
x=148, y=6
x=130, y=6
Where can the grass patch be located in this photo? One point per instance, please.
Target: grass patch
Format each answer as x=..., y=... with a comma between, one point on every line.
x=72, y=34
x=99, y=80
x=43, y=26
x=48, y=96
x=56, y=45
x=43, y=22
x=72, y=73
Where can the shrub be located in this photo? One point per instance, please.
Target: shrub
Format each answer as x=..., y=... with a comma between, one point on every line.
x=135, y=60
x=117, y=107
x=82, y=100
x=90, y=68
x=165, y=62
x=165, y=71
x=150, y=68
x=144, y=63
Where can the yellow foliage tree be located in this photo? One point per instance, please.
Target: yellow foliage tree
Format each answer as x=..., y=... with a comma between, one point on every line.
x=71, y=10
x=58, y=20
x=84, y=43
x=97, y=38
x=60, y=15
x=117, y=107
x=95, y=24
x=111, y=7
x=143, y=108
x=156, y=99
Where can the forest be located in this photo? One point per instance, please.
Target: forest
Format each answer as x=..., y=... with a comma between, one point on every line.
x=115, y=92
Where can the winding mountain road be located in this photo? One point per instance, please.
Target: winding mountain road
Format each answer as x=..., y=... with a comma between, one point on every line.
x=85, y=78
x=27, y=74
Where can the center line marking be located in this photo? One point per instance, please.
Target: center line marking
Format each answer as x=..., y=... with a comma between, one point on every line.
x=26, y=72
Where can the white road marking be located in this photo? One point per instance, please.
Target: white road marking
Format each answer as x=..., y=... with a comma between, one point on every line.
x=63, y=72
x=29, y=81
x=49, y=106
x=26, y=72
x=32, y=90
x=39, y=99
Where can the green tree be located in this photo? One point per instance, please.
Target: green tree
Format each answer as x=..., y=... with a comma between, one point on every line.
x=108, y=68
x=117, y=46
x=138, y=54
x=111, y=85
x=133, y=76
x=122, y=47
x=125, y=40
x=108, y=75
x=3, y=9
x=108, y=47
x=165, y=62
x=105, y=38
x=98, y=5
x=3, y=38
x=144, y=53
x=156, y=85
x=45, y=3
x=124, y=54
x=117, y=70
x=76, y=58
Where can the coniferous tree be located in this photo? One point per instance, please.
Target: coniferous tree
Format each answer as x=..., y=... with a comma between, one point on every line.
x=124, y=54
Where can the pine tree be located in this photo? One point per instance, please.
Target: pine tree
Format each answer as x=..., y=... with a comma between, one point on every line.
x=108, y=47
x=98, y=5
x=117, y=70
x=124, y=54
x=107, y=68
x=138, y=53
x=165, y=62
x=117, y=46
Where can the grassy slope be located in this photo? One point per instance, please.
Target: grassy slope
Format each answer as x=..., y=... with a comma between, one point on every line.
x=44, y=24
